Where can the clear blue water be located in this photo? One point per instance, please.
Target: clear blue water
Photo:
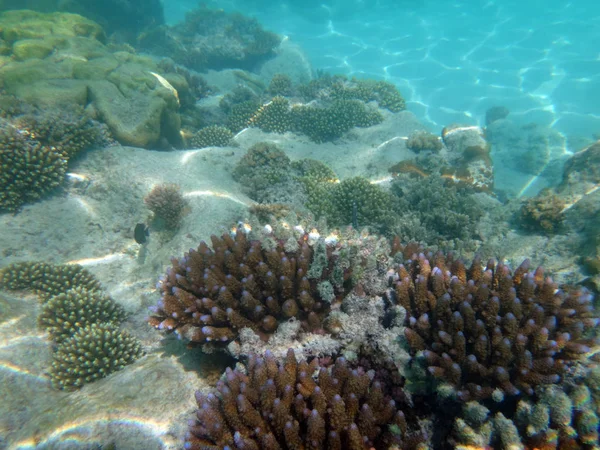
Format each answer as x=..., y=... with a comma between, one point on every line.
x=453, y=60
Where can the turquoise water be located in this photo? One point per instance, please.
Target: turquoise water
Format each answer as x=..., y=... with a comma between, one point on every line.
x=328, y=223
x=453, y=60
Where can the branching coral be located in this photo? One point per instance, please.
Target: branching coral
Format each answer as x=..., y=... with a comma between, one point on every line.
x=92, y=353
x=274, y=116
x=167, y=204
x=28, y=170
x=66, y=313
x=281, y=405
x=47, y=280
x=281, y=84
x=210, y=294
x=482, y=333
x=66, y=132
x=326, y=123
x=35, y=148
x=211, y=136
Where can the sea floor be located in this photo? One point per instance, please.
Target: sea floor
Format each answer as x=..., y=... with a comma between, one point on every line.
x=146, y=405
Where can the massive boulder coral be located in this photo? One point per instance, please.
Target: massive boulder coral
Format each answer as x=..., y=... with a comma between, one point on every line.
x=61, y=59
x=281, y=404
x=480, y=333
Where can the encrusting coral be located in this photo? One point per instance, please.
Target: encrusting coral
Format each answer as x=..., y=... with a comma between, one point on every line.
x=92, y=353
x=167, y=204
x=283, y=405
x=47, y=280
x=77, y=308
x=210, y=294
x=489, y=333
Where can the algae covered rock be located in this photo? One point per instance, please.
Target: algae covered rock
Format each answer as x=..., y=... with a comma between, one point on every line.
x=60, y=59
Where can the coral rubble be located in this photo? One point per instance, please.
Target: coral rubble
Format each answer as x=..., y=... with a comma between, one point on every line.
x=281, y=404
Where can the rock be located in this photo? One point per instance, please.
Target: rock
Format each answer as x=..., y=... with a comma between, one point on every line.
x=289, y=59
x=60, y=59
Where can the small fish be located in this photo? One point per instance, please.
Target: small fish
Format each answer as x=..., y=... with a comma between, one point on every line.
x=141, y=233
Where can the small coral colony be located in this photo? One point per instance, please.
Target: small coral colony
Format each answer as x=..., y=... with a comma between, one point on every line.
x=463, y=353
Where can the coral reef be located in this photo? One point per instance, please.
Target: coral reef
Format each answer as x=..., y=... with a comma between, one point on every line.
x=66, y=313
x=209, y=295
x=338, y=87
x=65, y=132
x=212, y=39
x=92, y=353
x=280, y=84
x=265, y=172
x=36, y=145
x=167, y=204
x=543, y=213
x=423, y=140
x=279, y=404
x=274, y=116
x=211, y=136
x=47, y=280
x=29, y=171
x=326, y=123
x=554, y=418
x=489, y=333
x=357, y=202
x=434, y=212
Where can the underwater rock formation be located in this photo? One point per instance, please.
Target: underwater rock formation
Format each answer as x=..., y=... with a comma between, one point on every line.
x=489, y=333
x=114, y=15
x=281, y=404
x=212, y=39
x=60, y=59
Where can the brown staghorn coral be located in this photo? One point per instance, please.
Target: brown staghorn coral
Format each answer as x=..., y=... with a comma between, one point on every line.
x=282, y=405
x=211, y=294
x=487, y=332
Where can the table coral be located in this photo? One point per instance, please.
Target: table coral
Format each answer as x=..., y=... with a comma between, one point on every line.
x=282, y=405
x=490, y=332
